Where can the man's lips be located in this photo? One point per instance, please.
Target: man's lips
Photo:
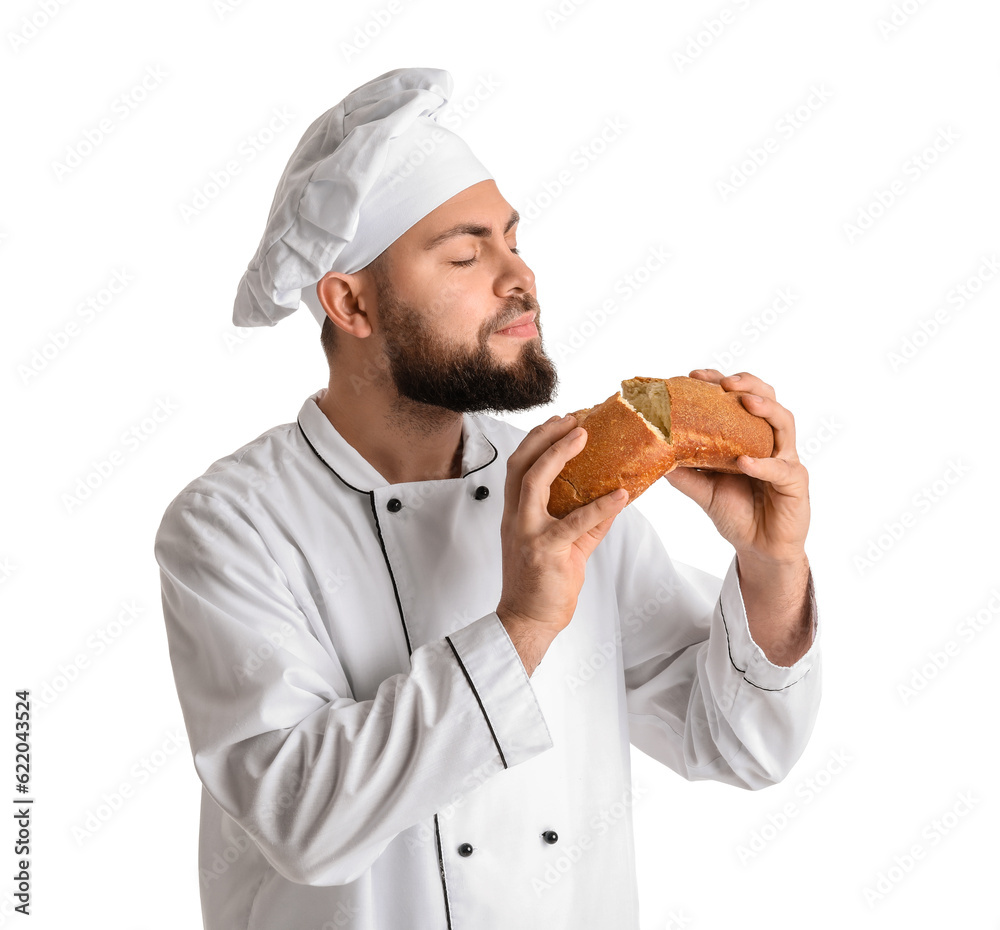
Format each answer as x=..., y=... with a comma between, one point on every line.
x=522, y=328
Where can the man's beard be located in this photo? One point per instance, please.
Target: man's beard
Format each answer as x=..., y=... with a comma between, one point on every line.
x=427, y=369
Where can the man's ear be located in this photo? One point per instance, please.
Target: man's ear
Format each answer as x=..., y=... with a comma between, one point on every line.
x=346, y=299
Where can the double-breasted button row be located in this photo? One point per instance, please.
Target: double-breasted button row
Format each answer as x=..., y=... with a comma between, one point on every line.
x=394, y=504
x=467, y=849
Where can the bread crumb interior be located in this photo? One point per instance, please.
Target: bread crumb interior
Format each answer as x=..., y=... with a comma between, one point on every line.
x=651, y=399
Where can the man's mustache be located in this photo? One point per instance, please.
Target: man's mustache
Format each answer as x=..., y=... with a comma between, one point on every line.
x=514, y=308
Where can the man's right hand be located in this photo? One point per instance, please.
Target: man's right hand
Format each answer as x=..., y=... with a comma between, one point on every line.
x=544, y=558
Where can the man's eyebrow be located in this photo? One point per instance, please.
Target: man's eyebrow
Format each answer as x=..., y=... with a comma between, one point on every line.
x=471, y=229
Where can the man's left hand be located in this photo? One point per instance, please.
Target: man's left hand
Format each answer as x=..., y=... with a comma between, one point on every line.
x=764, y=513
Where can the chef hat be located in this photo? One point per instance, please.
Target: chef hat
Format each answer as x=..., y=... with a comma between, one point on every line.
x=361, y=175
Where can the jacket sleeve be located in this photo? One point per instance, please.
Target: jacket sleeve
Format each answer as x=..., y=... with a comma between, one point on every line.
x=322, y=782
x=702, y=697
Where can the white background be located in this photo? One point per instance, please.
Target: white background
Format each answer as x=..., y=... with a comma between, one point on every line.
x=902, y=453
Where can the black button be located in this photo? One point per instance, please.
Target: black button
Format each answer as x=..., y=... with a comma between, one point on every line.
x=482, y=492
x=550, y=837
x=465, y=850
x=394, y=505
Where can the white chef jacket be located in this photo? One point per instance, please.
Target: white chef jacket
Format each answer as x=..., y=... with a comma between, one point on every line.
x=372, y=753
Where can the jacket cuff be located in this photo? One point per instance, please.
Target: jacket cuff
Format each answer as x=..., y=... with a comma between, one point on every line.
x=501, y=686
x=745, y=655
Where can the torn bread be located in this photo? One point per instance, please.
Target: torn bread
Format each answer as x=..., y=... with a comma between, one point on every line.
x=652, y=426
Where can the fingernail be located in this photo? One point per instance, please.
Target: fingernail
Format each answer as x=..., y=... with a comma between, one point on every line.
x=577, y=433
x=618, y=495
x=735, y=377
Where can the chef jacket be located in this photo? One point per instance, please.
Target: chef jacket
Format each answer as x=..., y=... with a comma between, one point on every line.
x=371, y=751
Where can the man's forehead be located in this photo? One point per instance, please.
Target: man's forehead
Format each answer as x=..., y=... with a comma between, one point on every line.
x=470, y=212
x=469, y=228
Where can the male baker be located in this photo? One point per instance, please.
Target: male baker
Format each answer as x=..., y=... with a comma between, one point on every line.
x=409, y=690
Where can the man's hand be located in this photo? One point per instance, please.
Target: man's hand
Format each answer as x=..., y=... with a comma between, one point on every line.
x=764, y=513
x=544, y=558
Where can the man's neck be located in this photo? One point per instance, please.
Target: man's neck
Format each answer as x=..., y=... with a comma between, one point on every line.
x=401, y=439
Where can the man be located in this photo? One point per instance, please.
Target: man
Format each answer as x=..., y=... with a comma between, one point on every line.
x=410, y=691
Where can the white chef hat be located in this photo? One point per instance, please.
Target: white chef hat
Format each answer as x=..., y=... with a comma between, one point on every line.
x=361, y=175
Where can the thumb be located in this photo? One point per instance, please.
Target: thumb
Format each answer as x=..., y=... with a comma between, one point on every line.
x=588, y=542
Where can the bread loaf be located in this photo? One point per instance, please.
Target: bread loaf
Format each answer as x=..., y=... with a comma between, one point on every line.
x=652, y=426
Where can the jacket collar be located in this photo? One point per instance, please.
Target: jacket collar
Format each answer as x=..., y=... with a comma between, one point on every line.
x=355, y=470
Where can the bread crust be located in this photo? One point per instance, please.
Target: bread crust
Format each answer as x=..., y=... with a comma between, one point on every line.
x=622, y=451
x=710, y=428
